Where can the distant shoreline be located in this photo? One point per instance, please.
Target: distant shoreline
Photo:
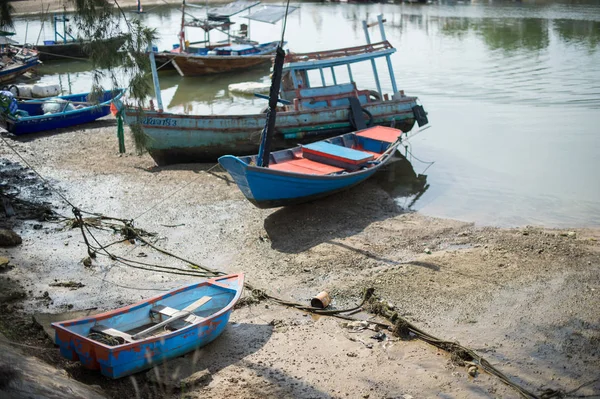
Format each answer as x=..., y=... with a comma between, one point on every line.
x=34, y=7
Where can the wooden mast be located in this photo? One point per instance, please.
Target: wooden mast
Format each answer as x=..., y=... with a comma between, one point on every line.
x=182, y=32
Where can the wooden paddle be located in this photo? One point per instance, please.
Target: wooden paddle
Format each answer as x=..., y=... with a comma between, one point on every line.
x=179, y=315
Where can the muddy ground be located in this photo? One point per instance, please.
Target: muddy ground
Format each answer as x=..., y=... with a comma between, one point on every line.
x=525, y=298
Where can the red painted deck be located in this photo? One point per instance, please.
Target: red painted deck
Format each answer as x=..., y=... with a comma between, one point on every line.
x=382, y=133
x=305, y=166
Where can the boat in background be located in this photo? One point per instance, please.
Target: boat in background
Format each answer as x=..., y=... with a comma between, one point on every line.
x=310, y=111
x=15, y=61
x=236, y=52
x=306, y=173
x=236, y=57
x=137, y=337
x=40, y=115
x=65, y=46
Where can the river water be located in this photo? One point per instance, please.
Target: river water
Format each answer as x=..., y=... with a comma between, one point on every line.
x=512, y=90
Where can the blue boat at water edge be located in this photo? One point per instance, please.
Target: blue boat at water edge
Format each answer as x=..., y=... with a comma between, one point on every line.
x=41, y=115
x=316, y=170
x=140, y=336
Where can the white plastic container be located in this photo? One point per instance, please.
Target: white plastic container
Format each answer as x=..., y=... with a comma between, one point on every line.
x=41, y=90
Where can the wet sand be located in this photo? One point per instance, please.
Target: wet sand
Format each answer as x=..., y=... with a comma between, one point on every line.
x=525, y=298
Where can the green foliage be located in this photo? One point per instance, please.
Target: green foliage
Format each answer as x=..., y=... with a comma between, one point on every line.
x=106, y=26
x=6, y=11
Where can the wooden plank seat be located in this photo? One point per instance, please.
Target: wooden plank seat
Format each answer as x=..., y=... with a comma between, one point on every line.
x=174, y=319
x=168, y=312
x=377, y=139
x=336, y=155
x=177, y=319
x=305, y=166
x=381, y=133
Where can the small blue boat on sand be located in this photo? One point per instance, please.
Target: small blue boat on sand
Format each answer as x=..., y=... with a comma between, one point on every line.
x=137, y=337
x=59, y=112
x=316, y=170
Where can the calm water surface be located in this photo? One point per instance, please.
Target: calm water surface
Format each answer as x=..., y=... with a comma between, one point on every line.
x=512, y=91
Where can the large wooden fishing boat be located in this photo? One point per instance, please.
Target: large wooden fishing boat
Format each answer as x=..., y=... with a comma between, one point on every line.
x=76, y=48
x=225, y=59
x=310, y=111
x=235, y=52
x=134, y=338
x=65, y=46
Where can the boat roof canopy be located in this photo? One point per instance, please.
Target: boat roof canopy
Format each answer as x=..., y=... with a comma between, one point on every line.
x=331, y=58
x=229, y=10
x=270, y=14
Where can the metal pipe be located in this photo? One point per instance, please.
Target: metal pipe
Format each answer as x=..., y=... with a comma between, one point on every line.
x=387, y=58
x=333, y=75
x=322, y=76
x=366, y=29
x=381, y=29
x=155, y=78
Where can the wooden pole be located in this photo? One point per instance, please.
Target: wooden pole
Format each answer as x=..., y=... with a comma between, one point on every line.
x=120, y=134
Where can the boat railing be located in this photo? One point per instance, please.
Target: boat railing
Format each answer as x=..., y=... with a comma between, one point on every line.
x=344, y=52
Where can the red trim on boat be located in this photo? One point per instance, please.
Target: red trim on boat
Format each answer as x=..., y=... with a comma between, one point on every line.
x=305, y=166
x=381, y=133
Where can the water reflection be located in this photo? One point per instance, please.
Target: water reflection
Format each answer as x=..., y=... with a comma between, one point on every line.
x=513, y=92
x=514, y=34
x=401, y=182
x=207, y=88
x=579, y=32
x=509, y=34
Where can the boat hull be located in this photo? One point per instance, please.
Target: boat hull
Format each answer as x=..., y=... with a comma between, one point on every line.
x=194, y=65
x=10, y=73
x=126, y=359
x=176, y=138
x=162, y=61
x=77, y=49
x=278, y=185
x=267, y=188
x=39, y=123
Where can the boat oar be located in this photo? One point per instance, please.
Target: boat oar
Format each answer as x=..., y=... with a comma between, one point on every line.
x=187, y=311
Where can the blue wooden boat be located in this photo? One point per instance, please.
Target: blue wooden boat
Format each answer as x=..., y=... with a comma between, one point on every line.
x=137, y=337
x=71, y=110
x=316, y=170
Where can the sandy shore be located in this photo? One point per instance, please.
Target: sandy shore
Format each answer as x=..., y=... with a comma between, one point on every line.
x=525, y=298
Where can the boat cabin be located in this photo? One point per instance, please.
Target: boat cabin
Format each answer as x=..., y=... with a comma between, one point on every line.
x=304, y=93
